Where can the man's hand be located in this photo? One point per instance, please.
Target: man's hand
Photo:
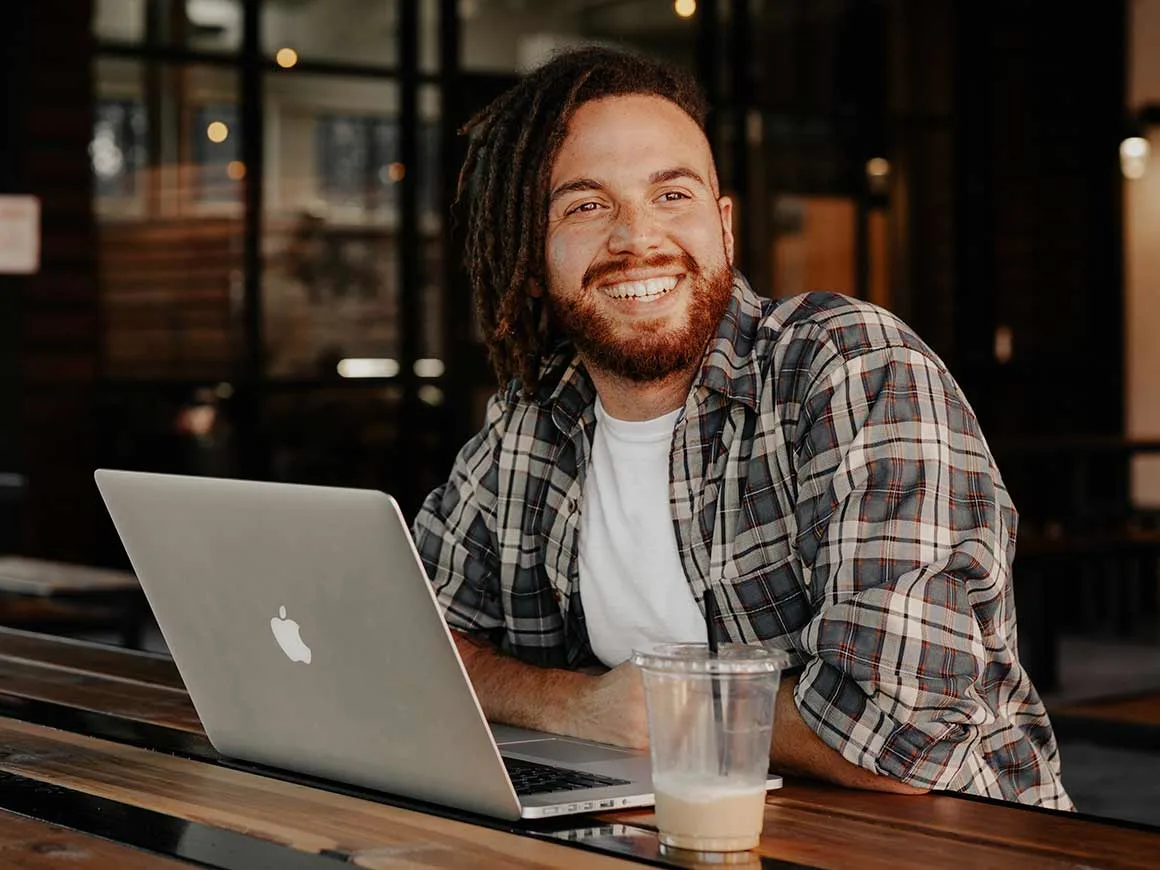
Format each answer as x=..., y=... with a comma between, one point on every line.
x=611, y=709
x=608, y=708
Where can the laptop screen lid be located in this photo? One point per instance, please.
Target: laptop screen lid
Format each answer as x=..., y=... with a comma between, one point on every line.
x=299, y=643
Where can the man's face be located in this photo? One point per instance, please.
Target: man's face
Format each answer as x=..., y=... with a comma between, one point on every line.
x=639, y=244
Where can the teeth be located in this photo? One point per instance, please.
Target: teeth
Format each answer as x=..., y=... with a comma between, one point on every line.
x=641, y=289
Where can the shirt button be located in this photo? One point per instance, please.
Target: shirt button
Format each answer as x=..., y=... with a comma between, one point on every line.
x=572, y=505
x=556, y=594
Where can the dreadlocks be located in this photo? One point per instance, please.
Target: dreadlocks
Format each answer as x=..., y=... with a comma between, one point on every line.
x=505, y=180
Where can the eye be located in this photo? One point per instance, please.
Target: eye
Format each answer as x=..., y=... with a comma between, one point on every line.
x=673, y=196
x=583, y=207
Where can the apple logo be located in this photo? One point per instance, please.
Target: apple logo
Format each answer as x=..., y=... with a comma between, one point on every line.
x=286, y=633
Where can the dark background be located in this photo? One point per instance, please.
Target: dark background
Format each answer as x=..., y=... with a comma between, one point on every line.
x=156, y=338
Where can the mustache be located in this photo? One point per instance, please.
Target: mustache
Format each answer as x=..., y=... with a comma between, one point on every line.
x=601, y=272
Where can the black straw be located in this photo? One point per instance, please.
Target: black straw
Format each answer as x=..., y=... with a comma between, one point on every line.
x=711, y=620
x=715, y=683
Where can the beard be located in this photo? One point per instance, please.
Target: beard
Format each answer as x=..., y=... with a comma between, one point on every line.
x=653, y=351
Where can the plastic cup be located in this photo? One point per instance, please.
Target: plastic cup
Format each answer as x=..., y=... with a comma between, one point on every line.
x=710, y=719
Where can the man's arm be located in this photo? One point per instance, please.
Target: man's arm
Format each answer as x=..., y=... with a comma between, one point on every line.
x=904, y=537
x=796, y=749
x=454, y=531
x=608, y=708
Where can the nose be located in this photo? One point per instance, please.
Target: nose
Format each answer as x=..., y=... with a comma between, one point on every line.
x=633, y=231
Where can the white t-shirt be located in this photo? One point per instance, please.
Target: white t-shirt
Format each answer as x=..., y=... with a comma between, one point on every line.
x=632, y=585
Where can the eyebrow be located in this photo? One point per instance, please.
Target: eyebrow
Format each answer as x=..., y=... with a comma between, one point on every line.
x=674, y=173
x=574, y=185
x=658, y=177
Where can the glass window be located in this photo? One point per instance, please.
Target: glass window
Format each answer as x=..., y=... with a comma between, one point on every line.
x=351, y=435
x=818, y=173
x=118, y=150
x=813, y=245
x=358, y=162
x=169, y=427
x=352, y=157
x=309, y=431
x=119, y=20
x=166, y=139
x=216, y=153
x=431, y=266
x=361, y=32
x=198, y=25
x=517, y=35
x=429, y=22
x=169, y=244
x=331, y=282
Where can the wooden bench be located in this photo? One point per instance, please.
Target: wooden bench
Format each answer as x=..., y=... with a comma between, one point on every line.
x=1052, y=564
x=1127, y=722
x=61, y=598
x=1077, y=519
x=12, y=491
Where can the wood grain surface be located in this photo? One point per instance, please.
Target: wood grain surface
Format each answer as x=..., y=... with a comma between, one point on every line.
x=38, y=577
x=307, y=819
x=26, y=844
x=128, y=699
x=90, y=658
x=900, y=832
x=806, y=823
x=1141, y=710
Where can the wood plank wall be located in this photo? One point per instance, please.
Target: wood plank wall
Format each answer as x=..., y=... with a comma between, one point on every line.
x=52, y=319
x=166, y=297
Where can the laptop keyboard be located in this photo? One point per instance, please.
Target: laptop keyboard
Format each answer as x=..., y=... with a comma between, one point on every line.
x=530, y=777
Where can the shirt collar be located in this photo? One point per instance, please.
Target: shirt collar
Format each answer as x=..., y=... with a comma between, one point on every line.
x=729, y=367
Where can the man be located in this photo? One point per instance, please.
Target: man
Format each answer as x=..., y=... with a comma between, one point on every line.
x=662, y=431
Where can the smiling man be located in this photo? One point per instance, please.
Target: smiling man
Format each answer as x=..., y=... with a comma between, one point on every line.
x=662, y=430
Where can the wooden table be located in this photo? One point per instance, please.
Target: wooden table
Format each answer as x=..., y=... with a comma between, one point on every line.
x=19, y=574
x=55, y=596
x=103, y=763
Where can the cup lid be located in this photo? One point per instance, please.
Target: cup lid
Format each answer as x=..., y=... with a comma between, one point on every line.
x=697, y=658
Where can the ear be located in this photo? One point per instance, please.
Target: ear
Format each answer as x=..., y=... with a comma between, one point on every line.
x=725, y=207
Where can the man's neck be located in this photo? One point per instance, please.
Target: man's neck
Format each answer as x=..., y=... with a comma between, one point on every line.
x=631, y=400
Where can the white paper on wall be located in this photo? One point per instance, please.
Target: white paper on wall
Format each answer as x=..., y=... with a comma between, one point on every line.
x=19, y=235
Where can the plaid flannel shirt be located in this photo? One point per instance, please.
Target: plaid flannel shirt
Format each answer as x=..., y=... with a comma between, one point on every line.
x=829, y=482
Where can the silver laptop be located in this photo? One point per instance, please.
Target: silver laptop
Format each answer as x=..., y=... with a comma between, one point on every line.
x=309, y=638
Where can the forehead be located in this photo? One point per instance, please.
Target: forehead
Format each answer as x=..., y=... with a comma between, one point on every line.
x=635, y=134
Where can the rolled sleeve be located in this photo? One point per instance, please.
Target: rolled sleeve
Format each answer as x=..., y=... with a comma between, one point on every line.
x=455, y=533
x=903, y=538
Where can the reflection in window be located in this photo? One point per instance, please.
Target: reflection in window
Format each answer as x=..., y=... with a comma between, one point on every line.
x=813, y=245
x=203, y=25
x=343, y=31
x=518, y=35
x=358, y=162
x=216, y=151
x=118, y=150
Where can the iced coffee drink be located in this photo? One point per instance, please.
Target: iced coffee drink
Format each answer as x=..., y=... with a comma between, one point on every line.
x=709, y=817
x=710, y=723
